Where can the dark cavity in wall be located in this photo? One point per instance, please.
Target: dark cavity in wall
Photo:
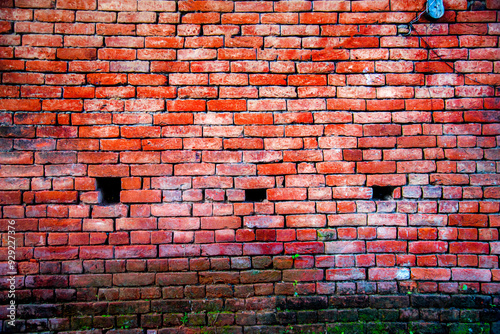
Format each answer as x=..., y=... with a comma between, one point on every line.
x=255, y=195
x=476, y=5
x=110, y=188
x=382, y=193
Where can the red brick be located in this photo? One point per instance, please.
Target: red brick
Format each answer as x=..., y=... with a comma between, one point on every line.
x=156, y=92
x=56, y=197
x=438, y=274
x=120, y=144
x=344, y=247
x=469, y=247
x=382, y=274
x=133, y=279
x=347, y=274
x=212, y=182
x=197, y=92
x=20, y=105
x=88, y=66
x=169, y=279
x=303, y=275
x=386, y=246
x=108, y=170
x=126, y=5
x=140, y=196
x=337, y=142
x=179, y=223
x=416, y=167
x=179, y=250
x=53, y=225
x=216, y=223
x=100, y=225
x=475, y=275
x=351, y=193
x=286, y=194
x=54, y=15
x=56, y=253
x=262, y=248
x=376, y=167
x=389, y=219
x=424, y=247
x=155, y=29
x=77, y=4
x=304, y=248
x=10, y=197
x=137, y=251
x=306, y=221
x=477, y=220
x=276, y=169
x=417, y=141
x=244, y=143
x=78, y=144
x=226, y=105
x=449, y=179
x=92, y=16
x=90, y=280
x=264, y=222
x=294, y=207
x=96, y=252
x=160, y=6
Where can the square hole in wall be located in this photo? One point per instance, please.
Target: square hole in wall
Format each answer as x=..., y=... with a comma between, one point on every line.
x=255, y=195
x=382, y=193
x=110, y=188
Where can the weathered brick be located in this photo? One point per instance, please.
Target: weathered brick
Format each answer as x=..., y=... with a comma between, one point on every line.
x=137, y=251
x=176, y=279
x=345, y=274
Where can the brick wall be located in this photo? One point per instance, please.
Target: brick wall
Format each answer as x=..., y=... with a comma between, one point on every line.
x=250, y=166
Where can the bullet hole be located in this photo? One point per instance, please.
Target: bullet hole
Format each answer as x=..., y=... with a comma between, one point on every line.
x=109, y=188
x=255, y=195
x=382, y=193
